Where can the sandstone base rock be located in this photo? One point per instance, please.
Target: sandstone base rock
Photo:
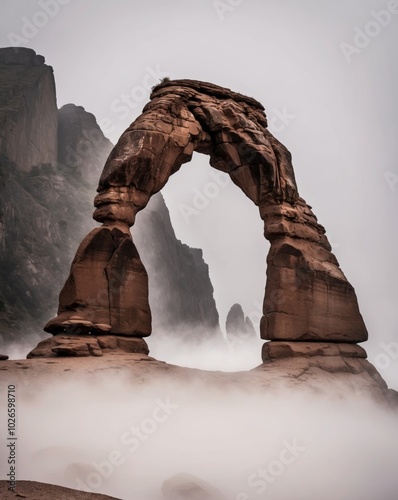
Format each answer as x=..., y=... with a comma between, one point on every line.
x=330, y=357
x=33, y=490
x=107, y=289
x=281, y=349
x=87, y=345
x=310, y=362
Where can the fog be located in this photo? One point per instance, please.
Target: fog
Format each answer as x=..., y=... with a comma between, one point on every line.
x=231, y=354
x=124, y=439
x=250, y=442
x=337, y=115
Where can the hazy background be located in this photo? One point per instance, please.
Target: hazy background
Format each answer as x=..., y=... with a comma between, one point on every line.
x=336, y=116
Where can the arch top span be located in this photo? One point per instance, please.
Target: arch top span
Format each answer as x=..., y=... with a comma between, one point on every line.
x=307, y=296
x=184, y=116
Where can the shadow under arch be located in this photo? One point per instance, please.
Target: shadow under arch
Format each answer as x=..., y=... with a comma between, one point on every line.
x=307, y=296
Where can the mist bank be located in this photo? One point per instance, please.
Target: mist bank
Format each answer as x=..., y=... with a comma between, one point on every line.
x=124, y=436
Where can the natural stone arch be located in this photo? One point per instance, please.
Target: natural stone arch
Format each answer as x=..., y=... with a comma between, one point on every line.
x=307, y=296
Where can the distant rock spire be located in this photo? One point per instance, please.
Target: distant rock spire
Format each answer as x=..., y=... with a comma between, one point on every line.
x=237, y=325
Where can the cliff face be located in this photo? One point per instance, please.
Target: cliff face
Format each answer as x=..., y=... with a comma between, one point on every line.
x=82, y=147
x=50, y=162
x=28, y=111
x=45, y=198
x=180, y=290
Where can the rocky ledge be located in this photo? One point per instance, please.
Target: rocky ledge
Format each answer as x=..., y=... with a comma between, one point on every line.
x=335, y=370
x=32, y=490
x=87, y=345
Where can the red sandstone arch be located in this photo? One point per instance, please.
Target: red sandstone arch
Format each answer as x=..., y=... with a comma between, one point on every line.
x=307, y=296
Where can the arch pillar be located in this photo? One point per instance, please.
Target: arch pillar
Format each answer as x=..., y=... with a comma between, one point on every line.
x=307, y=296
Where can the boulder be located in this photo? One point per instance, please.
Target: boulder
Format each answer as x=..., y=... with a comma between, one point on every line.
x=187, y=487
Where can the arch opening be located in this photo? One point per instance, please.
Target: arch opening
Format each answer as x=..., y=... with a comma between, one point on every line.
x=208, y=212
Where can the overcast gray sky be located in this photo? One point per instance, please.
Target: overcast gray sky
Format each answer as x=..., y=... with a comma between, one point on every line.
x=326, y=72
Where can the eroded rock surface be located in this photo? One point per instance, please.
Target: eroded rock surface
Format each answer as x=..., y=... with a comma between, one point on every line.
x=44, y=205
x=28, y=110
x=87, y=345
x=307, y=296
x=34, y=490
